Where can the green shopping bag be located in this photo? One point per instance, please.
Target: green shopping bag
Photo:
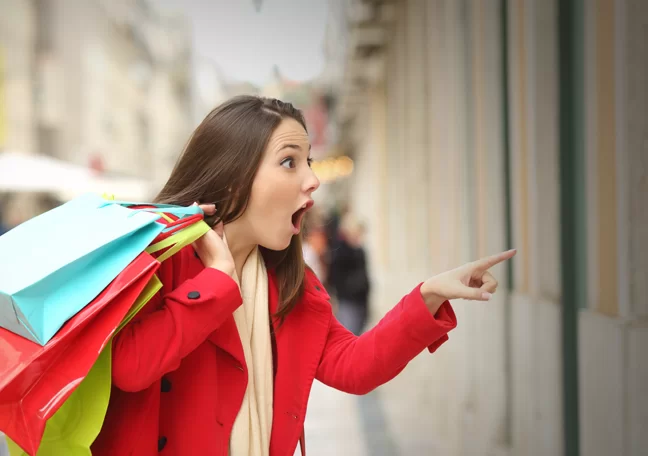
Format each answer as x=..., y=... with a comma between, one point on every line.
x=75, y=426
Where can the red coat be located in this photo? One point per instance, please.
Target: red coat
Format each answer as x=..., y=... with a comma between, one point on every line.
x=179, y=372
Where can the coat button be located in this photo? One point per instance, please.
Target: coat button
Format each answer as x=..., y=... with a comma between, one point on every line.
x=193, y=295
x=162, y=441
x=166, y=385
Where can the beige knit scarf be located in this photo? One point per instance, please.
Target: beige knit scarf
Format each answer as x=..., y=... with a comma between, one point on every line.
x=252, y=426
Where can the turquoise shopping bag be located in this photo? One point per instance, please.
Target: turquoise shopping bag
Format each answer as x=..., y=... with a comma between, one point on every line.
x=53, y=265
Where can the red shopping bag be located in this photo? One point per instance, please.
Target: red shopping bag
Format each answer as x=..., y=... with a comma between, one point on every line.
x=35, y=380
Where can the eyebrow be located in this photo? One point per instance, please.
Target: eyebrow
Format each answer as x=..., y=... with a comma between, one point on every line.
x=293, y=146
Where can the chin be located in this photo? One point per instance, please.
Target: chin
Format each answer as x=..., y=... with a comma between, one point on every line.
x=276, y=245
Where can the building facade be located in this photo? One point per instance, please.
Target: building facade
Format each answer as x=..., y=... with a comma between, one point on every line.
x=104, y=84
x=17, y=40
x=477, y=126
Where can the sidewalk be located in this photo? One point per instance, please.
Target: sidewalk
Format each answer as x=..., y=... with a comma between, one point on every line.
x=333, y=424
x=4, y=451
x=342, y=424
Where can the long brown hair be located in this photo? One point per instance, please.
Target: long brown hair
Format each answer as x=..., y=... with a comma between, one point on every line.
x=218, y=166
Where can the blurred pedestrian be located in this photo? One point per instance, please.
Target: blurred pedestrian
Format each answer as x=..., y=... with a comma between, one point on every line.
x=349, y=275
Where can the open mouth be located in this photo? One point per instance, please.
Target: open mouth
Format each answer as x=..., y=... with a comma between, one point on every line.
x=298, y=216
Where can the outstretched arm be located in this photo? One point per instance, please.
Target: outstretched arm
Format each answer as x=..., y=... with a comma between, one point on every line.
x=421, y=319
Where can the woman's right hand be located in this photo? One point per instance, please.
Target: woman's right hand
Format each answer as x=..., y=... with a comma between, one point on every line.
x=212, y=247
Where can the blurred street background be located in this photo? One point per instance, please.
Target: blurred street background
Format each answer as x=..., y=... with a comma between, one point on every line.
x=442, y=131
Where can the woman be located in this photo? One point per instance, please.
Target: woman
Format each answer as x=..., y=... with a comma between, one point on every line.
x=208, y=368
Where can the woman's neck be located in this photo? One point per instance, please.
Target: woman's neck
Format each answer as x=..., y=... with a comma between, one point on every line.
x=239, y=246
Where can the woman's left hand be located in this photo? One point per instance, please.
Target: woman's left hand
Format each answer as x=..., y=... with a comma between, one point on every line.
x=471, y=281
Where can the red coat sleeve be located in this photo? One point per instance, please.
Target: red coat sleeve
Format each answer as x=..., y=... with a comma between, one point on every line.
x=170, y=327
x=357, y=365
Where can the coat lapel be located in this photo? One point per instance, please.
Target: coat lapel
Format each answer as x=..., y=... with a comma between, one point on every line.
x=227, y=338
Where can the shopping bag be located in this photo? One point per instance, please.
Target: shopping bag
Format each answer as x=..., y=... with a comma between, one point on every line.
x=77, y=423
x=55, y=264
x=75, y=426
x=35, y=380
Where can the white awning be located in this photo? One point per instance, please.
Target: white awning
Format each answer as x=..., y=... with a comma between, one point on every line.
x=38, y=173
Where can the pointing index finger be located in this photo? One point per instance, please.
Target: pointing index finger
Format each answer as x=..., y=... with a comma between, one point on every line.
x=490, y=261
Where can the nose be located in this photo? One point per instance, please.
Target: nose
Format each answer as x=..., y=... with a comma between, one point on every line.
x=311, y=182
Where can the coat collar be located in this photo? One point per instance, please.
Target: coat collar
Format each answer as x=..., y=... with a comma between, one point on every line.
x=306, y=323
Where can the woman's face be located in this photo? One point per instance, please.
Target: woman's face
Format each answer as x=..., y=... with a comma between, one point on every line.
x=282, y=188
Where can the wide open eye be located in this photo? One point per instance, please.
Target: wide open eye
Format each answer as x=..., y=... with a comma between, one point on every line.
x=288, y=163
